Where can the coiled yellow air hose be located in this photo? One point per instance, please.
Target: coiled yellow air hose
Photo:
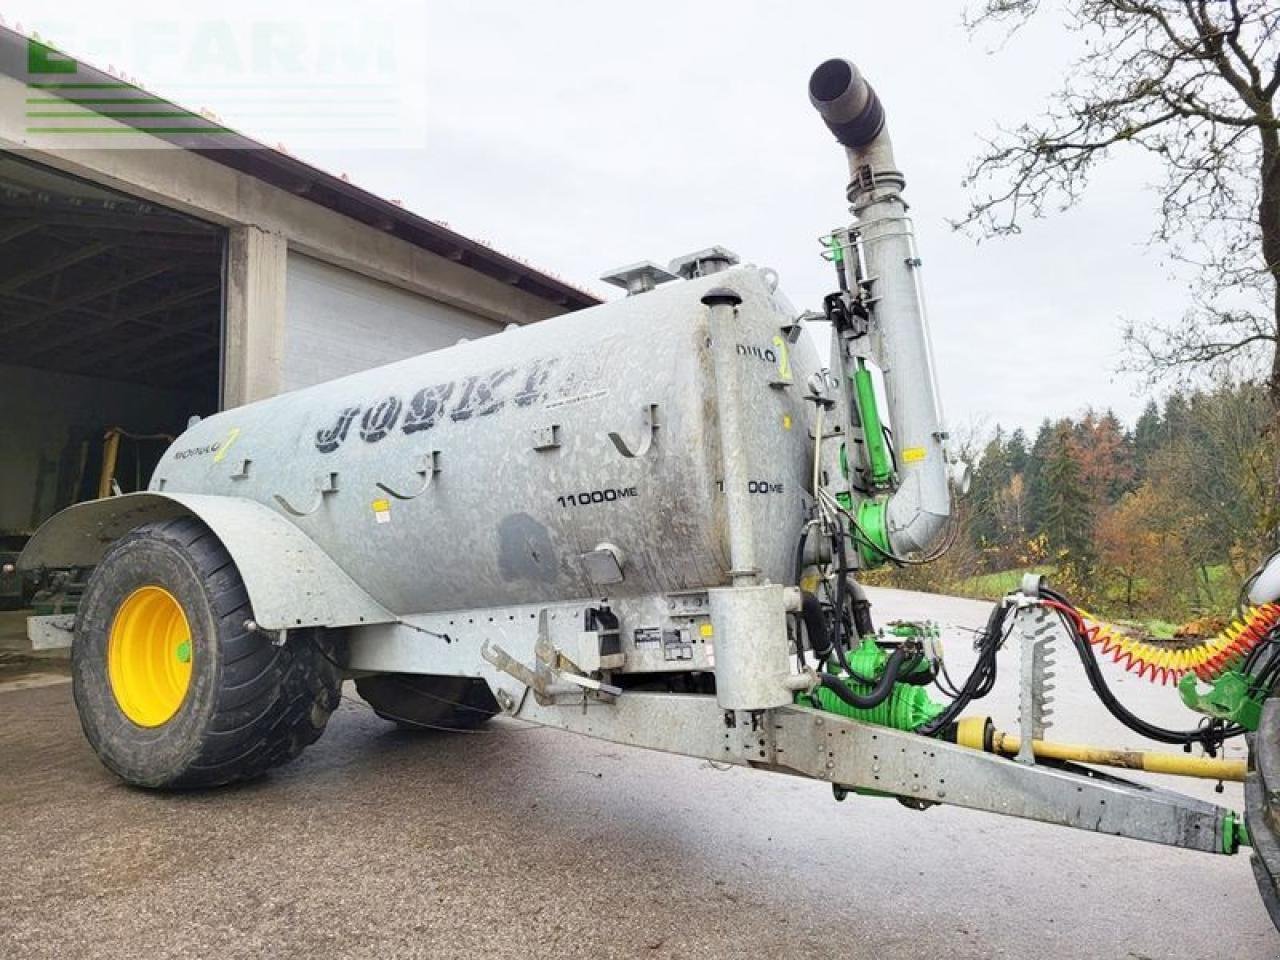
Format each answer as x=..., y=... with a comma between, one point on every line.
x=1166, y=664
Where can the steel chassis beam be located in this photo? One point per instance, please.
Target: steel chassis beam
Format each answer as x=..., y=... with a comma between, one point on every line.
x=822, y=746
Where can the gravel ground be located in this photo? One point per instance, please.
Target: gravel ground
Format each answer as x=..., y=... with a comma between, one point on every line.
x=522, y=842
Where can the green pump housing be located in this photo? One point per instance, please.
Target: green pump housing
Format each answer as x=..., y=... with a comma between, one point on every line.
x=906, y=708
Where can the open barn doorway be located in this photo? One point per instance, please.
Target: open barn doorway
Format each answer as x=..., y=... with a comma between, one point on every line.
x=111, y=319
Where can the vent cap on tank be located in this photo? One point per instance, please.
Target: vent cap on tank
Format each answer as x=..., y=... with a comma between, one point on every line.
x=638, y=277
x=702, y=263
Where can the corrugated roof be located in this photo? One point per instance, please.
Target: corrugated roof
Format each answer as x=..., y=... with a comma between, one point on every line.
x=233, y=149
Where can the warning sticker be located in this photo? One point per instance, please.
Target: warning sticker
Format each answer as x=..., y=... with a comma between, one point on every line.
x=914, y=454
x=675, y=647
x=382, y=511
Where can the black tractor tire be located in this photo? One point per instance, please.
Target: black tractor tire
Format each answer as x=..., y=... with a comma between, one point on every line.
x=428, y=702
x=248, y=703
x=1262, y=806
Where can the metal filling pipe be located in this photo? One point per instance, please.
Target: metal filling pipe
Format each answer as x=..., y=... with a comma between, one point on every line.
x=723, y=306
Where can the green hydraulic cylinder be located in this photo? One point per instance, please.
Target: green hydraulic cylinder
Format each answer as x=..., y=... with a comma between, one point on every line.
x=878, y=458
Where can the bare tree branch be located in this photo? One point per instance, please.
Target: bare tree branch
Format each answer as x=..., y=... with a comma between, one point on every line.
x=1194, y=83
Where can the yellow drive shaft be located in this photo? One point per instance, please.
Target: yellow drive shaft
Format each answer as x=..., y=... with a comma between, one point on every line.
x=973, y=733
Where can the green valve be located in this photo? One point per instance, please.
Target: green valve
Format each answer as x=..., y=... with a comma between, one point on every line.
x=836, y=248
x=868, y=659
x=913, y=629
x=183, y=653
x=873, y=533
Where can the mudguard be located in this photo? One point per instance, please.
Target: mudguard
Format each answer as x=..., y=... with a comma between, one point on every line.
x=291, y=581
x=1262, y=806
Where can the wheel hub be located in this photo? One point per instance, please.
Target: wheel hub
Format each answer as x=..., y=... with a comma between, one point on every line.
x=149, y=656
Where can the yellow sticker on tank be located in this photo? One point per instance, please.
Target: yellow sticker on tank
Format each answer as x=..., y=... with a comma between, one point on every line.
x=786, y=421
x=706, y=630
x=382, y=511
x=914, y=454
x=784, y=359
x=225, y=445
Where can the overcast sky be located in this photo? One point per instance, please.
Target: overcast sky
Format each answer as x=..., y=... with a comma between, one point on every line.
x=585, y=135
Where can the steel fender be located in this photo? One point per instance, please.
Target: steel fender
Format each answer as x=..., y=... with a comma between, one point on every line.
x=291, y=581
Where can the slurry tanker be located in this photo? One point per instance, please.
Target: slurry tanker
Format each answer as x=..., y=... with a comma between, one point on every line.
x=642, y=522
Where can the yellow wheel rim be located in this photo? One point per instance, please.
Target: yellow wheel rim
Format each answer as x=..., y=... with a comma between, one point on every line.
x=149, y=656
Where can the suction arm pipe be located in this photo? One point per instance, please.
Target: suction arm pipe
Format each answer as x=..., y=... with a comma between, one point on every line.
x=898, y=341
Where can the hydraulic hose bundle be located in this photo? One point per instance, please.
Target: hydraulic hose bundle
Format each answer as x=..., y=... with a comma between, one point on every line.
x=866, y=683
x=981, y=679
x=1210, y=733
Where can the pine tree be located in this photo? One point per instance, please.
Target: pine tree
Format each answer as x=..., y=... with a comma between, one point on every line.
x=989, y=478
x=1177, y=418
x=1067, y=519
x=1016, y=453
x=1146, y=439
x=1036, y=498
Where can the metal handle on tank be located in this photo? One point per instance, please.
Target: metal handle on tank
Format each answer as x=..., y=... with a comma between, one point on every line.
x=650, y=419
x=428, y=466
x=324, y=486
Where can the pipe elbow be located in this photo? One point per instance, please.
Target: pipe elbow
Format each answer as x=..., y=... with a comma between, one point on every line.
x=846, y=102
x=917, y=514
x=919, y=534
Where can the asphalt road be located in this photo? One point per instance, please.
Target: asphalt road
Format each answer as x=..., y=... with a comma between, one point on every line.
x=528, y=843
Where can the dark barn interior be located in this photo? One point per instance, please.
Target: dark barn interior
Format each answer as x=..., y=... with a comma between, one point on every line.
x=110, y=326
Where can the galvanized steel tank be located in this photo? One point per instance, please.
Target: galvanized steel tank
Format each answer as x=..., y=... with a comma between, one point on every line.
x=518, y=468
